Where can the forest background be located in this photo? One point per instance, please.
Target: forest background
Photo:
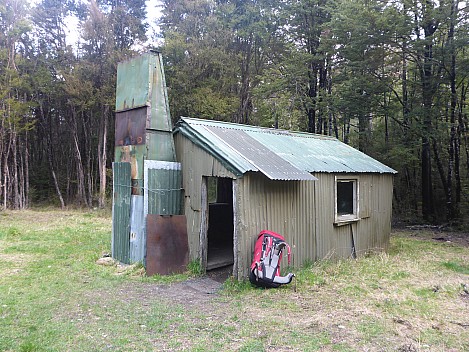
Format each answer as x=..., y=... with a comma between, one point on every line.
x=389, y=77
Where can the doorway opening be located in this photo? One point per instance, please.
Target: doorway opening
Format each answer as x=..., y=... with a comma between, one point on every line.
x=220, y=223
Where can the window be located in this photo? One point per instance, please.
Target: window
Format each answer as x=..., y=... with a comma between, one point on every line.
x=346, y=200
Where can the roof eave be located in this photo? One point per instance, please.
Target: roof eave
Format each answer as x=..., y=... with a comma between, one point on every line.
x=198, y=140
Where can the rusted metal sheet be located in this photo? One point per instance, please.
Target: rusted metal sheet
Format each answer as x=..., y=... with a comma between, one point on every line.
x=121, y=212
x=137, y=231
x=133, y=154
x=131, y=127
x=163, y=187
x=167, y=247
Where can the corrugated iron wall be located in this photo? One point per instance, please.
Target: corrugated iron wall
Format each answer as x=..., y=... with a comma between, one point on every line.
x=137, y=230
x=121, y=191
x=163, y=193
x=374, y=231
x=197, y=163
x=302, y=211
x=285, y=207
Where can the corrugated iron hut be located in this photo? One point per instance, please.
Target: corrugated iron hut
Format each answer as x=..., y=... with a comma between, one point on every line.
x=328, y=199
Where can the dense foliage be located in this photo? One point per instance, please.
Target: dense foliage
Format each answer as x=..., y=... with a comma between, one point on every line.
x=388, y=77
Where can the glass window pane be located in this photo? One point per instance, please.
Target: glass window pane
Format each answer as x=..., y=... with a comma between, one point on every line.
x=345, y=198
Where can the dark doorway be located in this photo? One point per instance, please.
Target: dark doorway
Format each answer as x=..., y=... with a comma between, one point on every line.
x=220, y=222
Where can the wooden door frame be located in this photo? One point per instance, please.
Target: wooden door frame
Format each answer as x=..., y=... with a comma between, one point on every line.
x=204, y=221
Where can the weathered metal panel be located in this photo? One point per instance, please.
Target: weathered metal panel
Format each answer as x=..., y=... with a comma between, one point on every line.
x=133, y=154
x=137, y=230
x=197, y=163
x=193, y=229
x=259, y=155
x=378, y=225
x=142, y=108
x=332, y=241
x=133, y=82
x=130, y=126
x=280, y=206
x=121, y=212
x=160, y=146
x=167, y=248
x=160, y=116
x=163, y=188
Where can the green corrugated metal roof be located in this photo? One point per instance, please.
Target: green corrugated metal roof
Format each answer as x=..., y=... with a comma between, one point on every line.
x=236, y=146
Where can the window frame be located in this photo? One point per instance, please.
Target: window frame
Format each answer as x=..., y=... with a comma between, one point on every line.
x=343, y=219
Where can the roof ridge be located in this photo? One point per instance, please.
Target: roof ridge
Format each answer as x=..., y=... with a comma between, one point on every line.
x=258, y=129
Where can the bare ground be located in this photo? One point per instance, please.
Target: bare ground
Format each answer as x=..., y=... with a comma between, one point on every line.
x=435, y=233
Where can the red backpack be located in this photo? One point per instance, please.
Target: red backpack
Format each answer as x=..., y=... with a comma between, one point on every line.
x=265, y=267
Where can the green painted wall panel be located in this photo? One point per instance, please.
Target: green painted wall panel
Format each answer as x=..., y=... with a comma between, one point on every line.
x=160, y=116
x=160, y=146
x=163, y=190
x=133, y=82
x=121, y=212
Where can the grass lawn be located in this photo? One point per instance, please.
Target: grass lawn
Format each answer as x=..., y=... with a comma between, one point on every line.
x=53, y=297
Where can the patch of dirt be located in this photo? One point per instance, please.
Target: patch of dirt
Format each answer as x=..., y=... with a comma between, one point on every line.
x=434, y=233
x=221, y=274
x=197, y=293
x=15, y=262
x=452, y=237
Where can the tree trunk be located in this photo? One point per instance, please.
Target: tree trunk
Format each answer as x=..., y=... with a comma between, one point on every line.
x=245, y=102
x=47, y=133
x=54, y=177
x=26, y=170
x=429, y=28
x=15, y=184
x=89, y=168
x=312, y=96
x=450, y=203
x=102, y=158
x=80, y=175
